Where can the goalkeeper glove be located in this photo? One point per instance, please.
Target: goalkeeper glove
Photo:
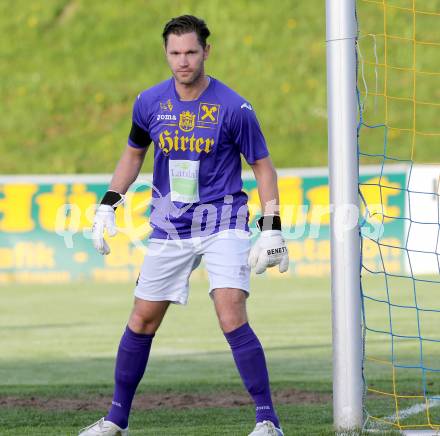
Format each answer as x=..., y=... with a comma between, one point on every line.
x=269, y=249
x=105, y=220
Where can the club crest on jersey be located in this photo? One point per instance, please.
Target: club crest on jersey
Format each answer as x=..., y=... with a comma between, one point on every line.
x=187, y=121
x=167, y=106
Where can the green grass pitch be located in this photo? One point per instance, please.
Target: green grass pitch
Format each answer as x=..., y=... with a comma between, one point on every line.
x=59, y=344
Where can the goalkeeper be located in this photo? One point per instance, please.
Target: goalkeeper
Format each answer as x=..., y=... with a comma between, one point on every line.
x=199, y=128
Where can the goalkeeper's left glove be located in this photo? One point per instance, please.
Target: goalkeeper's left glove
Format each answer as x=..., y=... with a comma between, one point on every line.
x=269, y=249
x=105, y=220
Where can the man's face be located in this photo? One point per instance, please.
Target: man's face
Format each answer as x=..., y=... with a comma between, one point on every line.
x=186, y=57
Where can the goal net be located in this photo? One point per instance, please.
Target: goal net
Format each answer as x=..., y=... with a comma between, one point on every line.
x=398, y=53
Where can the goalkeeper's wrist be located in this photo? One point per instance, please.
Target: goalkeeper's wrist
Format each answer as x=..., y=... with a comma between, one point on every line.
x=113, y=199
x=269, y=222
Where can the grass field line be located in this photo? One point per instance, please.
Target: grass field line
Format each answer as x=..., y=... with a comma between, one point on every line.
x=406, y=413
x=413, y=410
x=420, y=433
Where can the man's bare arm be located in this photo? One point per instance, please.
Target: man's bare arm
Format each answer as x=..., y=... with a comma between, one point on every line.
x=270, y=248
x=266, y=177
x=125, y=174
x=127, y=169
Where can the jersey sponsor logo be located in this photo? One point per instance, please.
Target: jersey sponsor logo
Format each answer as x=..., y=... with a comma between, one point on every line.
x=187, y=121
x=184, y=180
x=167, y=106
x=208, y=113
x=247, y=106
x=166, y=117
x=169, y=141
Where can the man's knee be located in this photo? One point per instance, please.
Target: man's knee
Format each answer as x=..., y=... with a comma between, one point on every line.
x=140, y=323
x=231, y=322
x=230, y=305
x=146, y=317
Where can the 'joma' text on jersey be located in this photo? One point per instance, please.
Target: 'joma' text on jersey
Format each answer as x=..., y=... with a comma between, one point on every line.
x=166, y=117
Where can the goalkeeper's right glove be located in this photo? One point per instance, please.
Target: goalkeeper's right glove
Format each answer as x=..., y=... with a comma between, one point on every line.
x=105, y=220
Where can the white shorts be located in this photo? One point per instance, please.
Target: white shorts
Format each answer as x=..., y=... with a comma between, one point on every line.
x=168, y=265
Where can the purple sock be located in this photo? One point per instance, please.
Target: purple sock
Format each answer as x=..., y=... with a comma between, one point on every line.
x=251, y=364
x=131, y=362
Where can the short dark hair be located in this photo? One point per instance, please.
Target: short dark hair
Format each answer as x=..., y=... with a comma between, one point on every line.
x=186, y=24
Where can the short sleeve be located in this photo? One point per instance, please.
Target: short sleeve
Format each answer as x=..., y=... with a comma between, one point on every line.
x=139, y=136
x=247, y=134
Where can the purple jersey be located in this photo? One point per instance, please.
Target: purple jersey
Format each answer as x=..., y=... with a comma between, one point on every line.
x=197, y=185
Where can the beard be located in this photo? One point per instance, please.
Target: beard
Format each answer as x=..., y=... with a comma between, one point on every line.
x=189, y=79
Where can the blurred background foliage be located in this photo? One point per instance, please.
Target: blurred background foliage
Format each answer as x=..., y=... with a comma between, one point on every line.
x=71, y=70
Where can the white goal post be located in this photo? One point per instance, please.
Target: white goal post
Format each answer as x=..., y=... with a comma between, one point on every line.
x=342, y=109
